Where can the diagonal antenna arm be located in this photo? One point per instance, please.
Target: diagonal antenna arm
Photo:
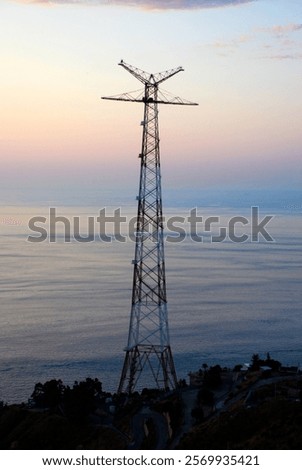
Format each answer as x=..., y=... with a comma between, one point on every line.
x=141, y=75
x=162, y=76
x=149, y=78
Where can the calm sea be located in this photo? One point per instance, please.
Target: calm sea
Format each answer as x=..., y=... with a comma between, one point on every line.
x=65, y=306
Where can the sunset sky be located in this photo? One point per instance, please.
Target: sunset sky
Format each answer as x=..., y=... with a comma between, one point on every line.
x=243, y=65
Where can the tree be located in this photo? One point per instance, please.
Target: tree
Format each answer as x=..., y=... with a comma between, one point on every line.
x=255, y=362
x=268, y=362
x=212, y=377
x=82, y=398
x=49, y=394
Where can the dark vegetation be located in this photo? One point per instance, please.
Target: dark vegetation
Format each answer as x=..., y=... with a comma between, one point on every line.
x=274, y=424
x=60, y=417
x=257, y=363
x=263, y=409
x=75, y=403
x=260, y=408
x=211, y=381
x=82, y=417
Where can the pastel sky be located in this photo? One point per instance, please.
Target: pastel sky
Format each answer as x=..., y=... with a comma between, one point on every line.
x=243, y=65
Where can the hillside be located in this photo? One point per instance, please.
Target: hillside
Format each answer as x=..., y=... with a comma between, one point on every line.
x=275, y=424
x=21, y=428
x=258, y=408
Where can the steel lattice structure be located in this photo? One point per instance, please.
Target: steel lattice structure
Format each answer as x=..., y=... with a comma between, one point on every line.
x=148, y=344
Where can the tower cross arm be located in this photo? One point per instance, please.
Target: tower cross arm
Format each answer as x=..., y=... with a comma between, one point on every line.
x=162, y=98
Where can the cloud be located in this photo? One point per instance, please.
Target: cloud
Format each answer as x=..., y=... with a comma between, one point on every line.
x=285, y=57
x=148, y=4
x=282, y=46
x=235, y=42
x=226, y=48
x=280, y=30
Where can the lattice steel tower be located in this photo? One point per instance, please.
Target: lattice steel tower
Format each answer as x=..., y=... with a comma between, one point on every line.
x=148, y=347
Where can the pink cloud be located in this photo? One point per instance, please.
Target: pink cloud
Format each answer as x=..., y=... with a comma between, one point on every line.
x=280, y=30
x=148, y=4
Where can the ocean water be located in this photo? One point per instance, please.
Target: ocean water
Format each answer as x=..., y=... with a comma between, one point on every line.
x=65, y=305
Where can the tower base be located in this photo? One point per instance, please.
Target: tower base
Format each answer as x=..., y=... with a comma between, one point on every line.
x=156, y=360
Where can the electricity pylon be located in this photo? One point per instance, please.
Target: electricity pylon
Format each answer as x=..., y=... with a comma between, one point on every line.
x=148, y=344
